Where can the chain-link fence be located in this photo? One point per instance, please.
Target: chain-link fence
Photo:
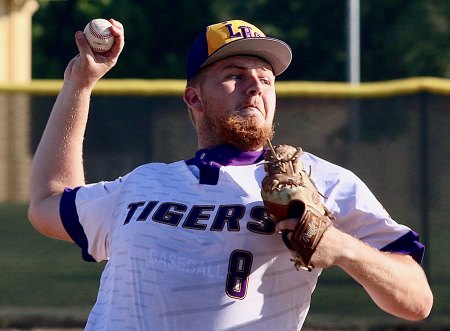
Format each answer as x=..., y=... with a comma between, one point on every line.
x=394, y=135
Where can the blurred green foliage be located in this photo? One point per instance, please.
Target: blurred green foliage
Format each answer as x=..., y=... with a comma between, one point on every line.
x=402, y=38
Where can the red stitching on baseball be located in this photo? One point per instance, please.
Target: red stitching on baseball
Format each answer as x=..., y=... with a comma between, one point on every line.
x=97, y=35
x=100, y=50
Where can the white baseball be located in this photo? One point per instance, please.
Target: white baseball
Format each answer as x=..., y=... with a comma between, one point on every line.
x=98, y=35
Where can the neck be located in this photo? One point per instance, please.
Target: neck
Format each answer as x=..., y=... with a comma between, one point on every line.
x=217, y=144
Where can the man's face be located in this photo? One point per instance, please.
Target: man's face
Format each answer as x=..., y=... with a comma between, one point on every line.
x=238, y=98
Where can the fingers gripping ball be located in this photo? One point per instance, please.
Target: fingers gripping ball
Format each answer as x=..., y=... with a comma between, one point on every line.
x=99, y=35
x=288, y=192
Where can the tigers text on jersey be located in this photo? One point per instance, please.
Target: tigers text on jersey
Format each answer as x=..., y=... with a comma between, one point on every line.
x=190, y=246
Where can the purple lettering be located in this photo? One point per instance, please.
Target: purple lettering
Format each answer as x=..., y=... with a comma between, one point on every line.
x=196, y=215
x=170, y=213
x=262, y=223
x=132, y=209
x=246, y=31
x=230, y=214
x=232, y=33
x=147, y=210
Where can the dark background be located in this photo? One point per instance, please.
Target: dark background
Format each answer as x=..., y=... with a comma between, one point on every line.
x=401, y=38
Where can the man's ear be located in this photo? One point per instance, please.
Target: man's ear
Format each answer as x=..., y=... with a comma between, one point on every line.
x=192, y=99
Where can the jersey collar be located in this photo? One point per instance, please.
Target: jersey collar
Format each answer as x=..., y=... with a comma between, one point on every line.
x=210, y=160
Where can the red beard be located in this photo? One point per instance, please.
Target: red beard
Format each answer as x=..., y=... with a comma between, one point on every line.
x=242, y=132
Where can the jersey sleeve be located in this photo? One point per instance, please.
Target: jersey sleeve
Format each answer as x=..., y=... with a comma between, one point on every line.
x=86, y=213
x=359, y=213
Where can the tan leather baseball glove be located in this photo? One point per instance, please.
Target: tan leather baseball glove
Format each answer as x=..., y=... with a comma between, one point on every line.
x=288, y=192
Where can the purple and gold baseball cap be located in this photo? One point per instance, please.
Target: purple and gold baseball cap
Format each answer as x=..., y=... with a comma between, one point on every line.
x=236, y=37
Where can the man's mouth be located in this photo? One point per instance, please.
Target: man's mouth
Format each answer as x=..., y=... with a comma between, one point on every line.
x=252, y=108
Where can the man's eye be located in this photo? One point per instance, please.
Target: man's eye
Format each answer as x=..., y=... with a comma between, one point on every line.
x=265, y=81
x=235, y=76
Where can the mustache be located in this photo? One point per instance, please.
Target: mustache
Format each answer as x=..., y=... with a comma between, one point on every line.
x=249, y=103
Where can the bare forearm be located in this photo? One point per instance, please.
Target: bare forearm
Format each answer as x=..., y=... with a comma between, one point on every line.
x=58, y=159
x=396, y=283
x=58, y=162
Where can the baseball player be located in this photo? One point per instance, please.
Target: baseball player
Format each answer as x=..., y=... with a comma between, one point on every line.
x=190, y=245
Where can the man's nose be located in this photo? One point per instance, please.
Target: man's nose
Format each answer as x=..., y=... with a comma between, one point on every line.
x=254, y=85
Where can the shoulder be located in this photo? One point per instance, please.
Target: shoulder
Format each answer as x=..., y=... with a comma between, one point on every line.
x=334, y=181
x=153, y=168
x=139, y=175
x=320, y=168
x=158, y=170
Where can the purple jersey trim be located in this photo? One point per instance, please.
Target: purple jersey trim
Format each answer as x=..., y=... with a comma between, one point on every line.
x=209, y=161
x=407, y=244
x=71, y=222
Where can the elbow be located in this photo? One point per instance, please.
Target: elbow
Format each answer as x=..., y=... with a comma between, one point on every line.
x=420, y=299
x=413, y=307
x=45, y=218
x=424, y=302
x=41, y=219
x=424, y=306
x=35, y=219
x=418, y=308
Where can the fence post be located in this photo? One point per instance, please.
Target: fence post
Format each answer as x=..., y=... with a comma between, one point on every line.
x=424, y=178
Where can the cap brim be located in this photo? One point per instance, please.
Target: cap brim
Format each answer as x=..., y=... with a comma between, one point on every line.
x=276, y=52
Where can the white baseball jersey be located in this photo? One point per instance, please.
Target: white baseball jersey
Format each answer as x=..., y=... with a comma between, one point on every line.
x=189, y=245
